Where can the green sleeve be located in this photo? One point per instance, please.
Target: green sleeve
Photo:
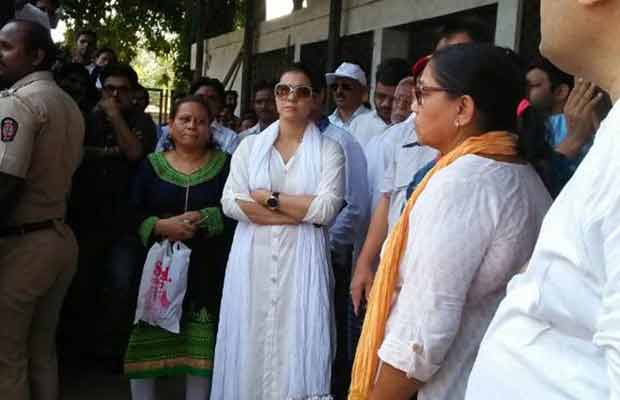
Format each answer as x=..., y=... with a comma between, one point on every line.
x=211, y=219
x=146, y=229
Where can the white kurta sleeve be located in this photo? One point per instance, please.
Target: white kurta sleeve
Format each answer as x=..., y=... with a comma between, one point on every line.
x=330, y=194
x=607, y=334
x=237, y=185
x=450, y=232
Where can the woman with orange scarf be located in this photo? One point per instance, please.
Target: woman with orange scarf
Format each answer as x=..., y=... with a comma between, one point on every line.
x=469, y=226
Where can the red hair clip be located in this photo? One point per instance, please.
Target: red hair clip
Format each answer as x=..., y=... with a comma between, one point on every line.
x=523, y=105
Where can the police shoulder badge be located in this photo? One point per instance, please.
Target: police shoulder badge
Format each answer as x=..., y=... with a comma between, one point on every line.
x=8, y=129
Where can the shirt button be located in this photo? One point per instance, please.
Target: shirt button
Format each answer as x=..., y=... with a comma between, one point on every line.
x=273, y=302
x=274, y=280
x=416, y=348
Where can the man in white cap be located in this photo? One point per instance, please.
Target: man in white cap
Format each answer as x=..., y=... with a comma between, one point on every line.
x=349, y=87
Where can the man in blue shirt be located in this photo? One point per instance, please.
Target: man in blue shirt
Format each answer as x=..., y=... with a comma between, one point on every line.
x=212, y=91
x=567, y=105
x=548, y=91
x=346, y=235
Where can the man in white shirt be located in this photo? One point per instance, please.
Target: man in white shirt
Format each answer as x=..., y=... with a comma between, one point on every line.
x=556, y=335
x=264, y=107
x=401, y=157
x=389, y=75
x=349, y=86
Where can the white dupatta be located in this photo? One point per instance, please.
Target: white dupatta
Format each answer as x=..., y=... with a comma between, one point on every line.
x=310, y=357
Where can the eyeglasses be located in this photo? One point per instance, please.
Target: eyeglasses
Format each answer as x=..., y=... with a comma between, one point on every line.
x=111, y=89
x=283, y=90
x=402, y=101
x=422, y=91
x=347, y=87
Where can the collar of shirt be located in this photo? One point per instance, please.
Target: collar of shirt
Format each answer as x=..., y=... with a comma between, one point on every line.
x=220, y=129
x=380, y=121
x=254, y=130
x=557, y=125
x=412, y=139
x=32, y=77
x=336, y=120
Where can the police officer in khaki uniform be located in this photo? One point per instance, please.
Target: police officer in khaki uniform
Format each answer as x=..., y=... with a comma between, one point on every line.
x=41, y=135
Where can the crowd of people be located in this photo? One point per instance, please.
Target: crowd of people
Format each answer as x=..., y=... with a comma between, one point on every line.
x=447, y=233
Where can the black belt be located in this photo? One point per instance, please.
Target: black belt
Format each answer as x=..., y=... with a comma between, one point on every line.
x=27, y=228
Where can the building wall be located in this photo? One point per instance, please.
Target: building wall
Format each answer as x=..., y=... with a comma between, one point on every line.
x=310, y=25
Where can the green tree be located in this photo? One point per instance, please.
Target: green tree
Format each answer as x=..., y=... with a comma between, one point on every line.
x=129, y=25
x=155, y=71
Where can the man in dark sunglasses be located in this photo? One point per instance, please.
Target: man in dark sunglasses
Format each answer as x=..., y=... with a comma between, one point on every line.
x=348, y=86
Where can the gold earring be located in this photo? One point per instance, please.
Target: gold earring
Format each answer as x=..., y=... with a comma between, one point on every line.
x=457, y=123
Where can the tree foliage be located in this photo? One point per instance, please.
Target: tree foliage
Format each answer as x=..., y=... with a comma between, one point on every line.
x=155, y=71
x=165, y=27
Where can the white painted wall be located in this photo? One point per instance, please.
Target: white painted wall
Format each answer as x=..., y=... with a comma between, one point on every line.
x=310, y=25
x=221, y=53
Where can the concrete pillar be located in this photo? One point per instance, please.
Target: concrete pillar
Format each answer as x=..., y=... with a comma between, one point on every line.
x=509, y=16
x=377, y=56
x=297, y=55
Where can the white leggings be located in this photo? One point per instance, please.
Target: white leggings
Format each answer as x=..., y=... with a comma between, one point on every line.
x=196, y=388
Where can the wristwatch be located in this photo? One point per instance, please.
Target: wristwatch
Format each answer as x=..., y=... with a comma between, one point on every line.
x=273, y=202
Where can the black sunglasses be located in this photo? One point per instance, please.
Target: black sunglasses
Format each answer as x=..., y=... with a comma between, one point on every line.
x=347, y=87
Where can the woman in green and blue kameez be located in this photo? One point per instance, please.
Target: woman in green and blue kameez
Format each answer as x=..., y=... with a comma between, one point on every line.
x=176, y=196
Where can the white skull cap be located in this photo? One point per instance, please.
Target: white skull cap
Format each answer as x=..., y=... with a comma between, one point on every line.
x=347, y=70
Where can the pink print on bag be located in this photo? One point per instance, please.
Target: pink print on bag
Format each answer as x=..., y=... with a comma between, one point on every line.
x=158, y=299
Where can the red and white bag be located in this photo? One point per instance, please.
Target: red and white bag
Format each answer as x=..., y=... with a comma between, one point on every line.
x=163, y=285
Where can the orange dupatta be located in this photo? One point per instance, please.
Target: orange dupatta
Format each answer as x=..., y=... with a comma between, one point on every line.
x=380, y=301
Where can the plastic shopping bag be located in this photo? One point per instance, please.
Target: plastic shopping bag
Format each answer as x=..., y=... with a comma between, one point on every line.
x=163, y=285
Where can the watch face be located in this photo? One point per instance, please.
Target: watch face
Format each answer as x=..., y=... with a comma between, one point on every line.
x=272, y=202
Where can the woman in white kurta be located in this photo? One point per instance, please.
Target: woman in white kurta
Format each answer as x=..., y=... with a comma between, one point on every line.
x=276, y=326
x=470, y=226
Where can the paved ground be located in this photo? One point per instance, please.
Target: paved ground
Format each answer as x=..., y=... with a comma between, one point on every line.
x=87, y=380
